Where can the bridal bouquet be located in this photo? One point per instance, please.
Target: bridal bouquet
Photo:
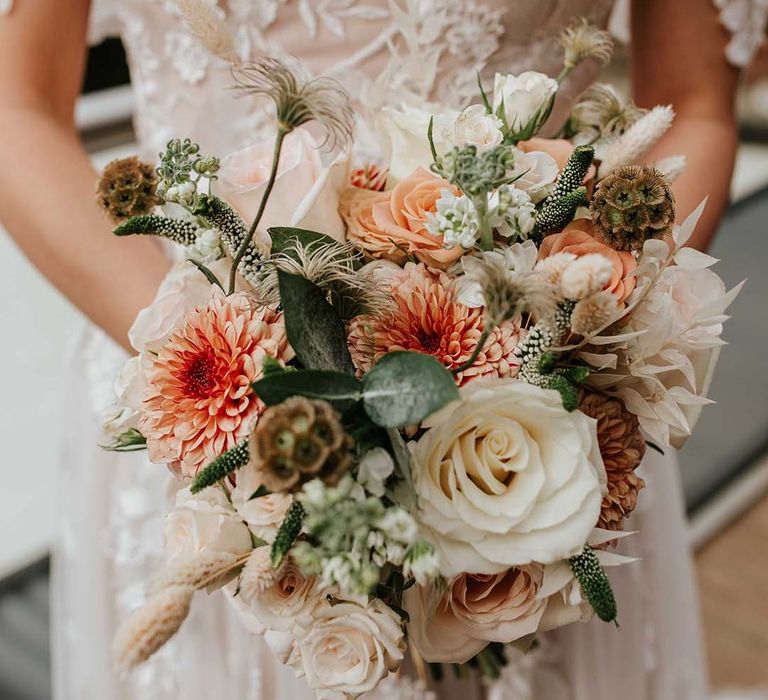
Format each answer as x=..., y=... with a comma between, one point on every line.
x=406, y=400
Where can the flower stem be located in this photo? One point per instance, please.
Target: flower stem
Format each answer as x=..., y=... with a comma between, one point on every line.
x=486, y=232
x=282, y=132
x=478, y=349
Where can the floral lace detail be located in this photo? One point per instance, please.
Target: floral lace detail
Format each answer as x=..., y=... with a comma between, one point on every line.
x=746, y=21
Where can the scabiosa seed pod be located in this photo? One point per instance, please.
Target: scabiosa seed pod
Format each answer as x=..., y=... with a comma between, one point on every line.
x=632, y=205
x=297, y=441
x=127, y=187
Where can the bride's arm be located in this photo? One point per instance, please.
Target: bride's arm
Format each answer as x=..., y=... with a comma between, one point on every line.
x=47, y=185
x=678, y=58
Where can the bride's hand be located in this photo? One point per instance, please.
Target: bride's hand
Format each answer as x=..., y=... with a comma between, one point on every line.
x=678, y=58
x=47, y=184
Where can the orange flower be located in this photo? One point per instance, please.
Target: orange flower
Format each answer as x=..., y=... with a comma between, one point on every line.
x=199, y=401
x=427, y=318
x=578, y=238
x=559, y=149
x=392, y=224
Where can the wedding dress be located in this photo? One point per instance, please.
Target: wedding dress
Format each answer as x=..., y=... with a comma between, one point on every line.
x=113, y=503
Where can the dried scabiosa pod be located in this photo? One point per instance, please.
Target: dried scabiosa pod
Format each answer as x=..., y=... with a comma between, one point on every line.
x=632, y=205
x=127, y=187
x=297, y=441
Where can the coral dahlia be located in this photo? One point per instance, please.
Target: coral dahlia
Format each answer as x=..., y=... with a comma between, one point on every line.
x=199, y=401
x=428, y=318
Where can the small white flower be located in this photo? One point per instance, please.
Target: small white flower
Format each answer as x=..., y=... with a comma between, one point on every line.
x=422, y=563
x=474, y=126
x=207, y=246
x=524, y=97
x=456, y=220
x=375, y=468
x=512, y=212
x=398, y=525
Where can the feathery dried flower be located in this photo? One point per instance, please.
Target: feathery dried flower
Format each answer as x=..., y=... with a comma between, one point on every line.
x=671, y=167
x=127, y=187
x=553, y=266
x=258, y=574
x=593, y=313
x=202, y=570
x=208, y=27
x=299, y=101
x=603, y=112
x=632, y=205
x=586, y=275
x=151, y=626
x=297, y=441
x=636, y=140
x=331, y=266
x=581, y=41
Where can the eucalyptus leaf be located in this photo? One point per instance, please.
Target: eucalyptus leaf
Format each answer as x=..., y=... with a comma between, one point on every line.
x=315, y=331
x=341, y=390
x=406, y=387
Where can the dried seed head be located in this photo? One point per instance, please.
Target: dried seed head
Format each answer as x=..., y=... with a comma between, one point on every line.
x=582, y=40
x=603, y=112
x=127, y=187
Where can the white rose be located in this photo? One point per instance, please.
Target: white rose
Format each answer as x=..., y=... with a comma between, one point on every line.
x=183, y=289
x=205, y=521
x=523, y=96
x=265, y=514
x=305, y=194
x=129, y=392
x=536, y=172
x=406, y=129
x=350, y=647
x=506, y=477
x=474, y=126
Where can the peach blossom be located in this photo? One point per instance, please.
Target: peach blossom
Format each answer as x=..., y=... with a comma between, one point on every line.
x=578, y=238
x=392, y=224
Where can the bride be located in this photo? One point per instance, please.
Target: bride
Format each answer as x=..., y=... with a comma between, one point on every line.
x=686, y=53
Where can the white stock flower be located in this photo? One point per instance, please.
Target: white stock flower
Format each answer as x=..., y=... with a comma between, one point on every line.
x=350, y=647
x=475, y=127
x=505, y=477
x=207, y=246
x=523, y=96
x=204, y=522
x=456, y=220
x=374, y=469
x=512, y=212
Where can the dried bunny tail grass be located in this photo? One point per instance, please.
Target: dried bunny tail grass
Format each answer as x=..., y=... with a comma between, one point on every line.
x=258, y=574
x=671, y=167
x=636, y=140
x=198, y=571
x=554, y=266
x=209, y=29
x=585, y=276
x=593, y=313
x=331, y=266
x=150, y=627
x=582, y=40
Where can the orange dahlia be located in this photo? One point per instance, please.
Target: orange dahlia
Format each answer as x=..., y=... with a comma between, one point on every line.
x=426, y=317
x=199, y=401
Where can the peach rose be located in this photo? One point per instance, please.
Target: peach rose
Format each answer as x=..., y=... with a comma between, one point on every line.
x=393, y=224
x=577, y=238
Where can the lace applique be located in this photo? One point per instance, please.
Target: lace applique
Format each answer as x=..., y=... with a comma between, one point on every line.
x=746, y=21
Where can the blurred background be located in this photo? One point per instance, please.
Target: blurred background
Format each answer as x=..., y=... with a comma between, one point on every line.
x=724, y=466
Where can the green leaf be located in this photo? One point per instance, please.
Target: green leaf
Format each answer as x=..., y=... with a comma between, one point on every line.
x=315, y=331
x=207, y=272
x=341, y=390
x=130, y=440
x=406, y=387
x=284, y=237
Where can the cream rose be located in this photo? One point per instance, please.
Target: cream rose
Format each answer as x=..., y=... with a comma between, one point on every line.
x=204, y=522
x=522, y=96
x=305, y=194
x=350, y=647
x=475, y=127
x=263, y=515
x=507, y=477
x=536, y=172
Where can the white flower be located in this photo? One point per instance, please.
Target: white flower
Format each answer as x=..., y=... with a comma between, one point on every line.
x=506, y=477
x=349, y=647
x=265, y=514
x=207, y=246
x=421, y=562
x=406, y=129
x=398, y=525
x=512, y=212
x=524, y=97
x=129, y=391
x=374, y=469
x=585, y=275
x=305, y=194
x=204, y=522
x=535, y=173
x=474, y=126
x=456, y=220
